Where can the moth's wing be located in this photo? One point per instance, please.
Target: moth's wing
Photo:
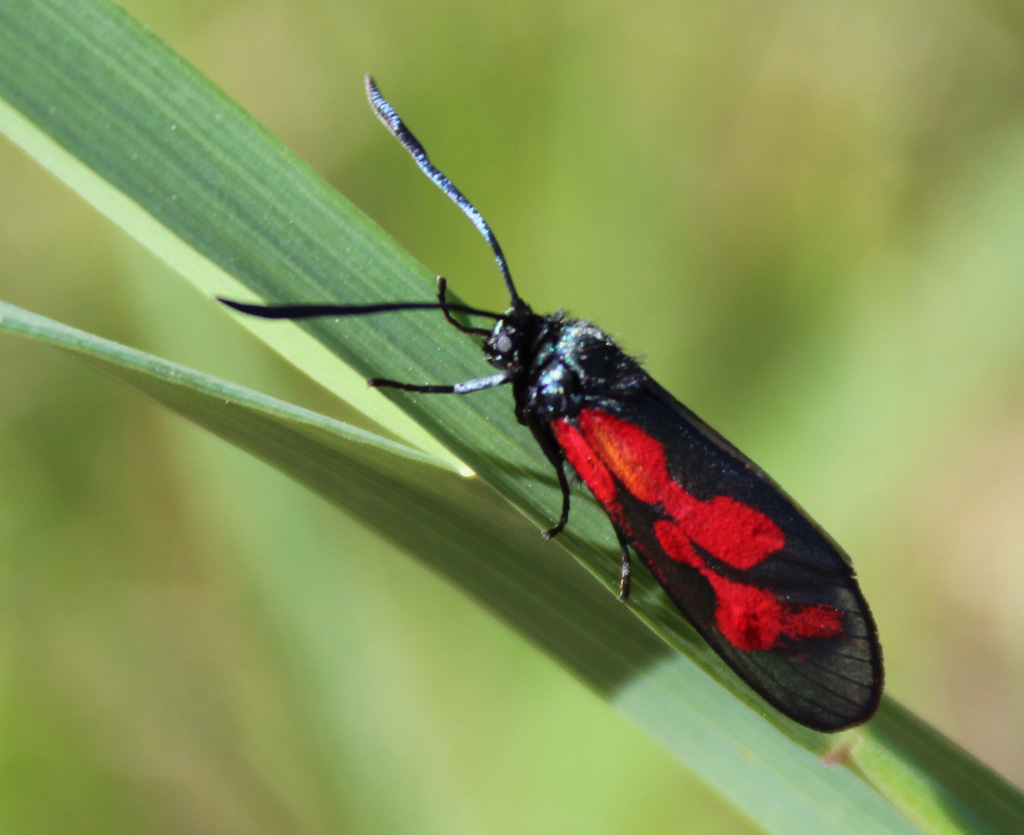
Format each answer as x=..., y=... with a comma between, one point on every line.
x=768, y=589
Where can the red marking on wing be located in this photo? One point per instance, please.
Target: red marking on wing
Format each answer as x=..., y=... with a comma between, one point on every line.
x=749, y=617
x=605, y=449
x=589, y=467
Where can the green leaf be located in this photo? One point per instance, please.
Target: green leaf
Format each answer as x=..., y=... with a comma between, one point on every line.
x=151, y=143
x=463, y=530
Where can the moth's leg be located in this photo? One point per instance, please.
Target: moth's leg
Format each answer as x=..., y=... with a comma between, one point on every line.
x=624, y=576
x=442, y=302
x=467, y=387
x=553, y=453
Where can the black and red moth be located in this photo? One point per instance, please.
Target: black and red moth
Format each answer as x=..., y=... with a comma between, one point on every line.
x=770, y=591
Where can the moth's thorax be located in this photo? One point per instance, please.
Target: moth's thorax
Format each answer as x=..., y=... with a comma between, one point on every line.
x=559, y=365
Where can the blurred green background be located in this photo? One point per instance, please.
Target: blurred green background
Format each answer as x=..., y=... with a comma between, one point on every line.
x=808, y=216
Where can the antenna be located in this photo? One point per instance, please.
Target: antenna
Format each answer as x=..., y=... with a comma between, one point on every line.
x=393, y=122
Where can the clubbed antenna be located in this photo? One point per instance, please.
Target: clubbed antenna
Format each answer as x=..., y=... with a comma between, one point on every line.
x=386, y=113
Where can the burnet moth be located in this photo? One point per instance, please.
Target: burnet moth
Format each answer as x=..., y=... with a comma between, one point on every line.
x=770, y=591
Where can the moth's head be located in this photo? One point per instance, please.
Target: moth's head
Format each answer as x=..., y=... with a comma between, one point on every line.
x=512, y=335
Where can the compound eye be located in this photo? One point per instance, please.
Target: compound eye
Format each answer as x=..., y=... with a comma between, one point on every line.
x=503, y=344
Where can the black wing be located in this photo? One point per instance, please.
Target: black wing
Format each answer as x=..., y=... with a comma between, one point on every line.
x=767, y=588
